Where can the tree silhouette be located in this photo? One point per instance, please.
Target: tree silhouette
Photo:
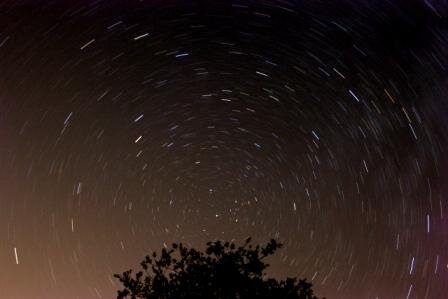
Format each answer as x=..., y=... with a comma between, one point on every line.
x=223, y=271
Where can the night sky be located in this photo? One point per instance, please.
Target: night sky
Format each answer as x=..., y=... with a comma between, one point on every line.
x=129, y=125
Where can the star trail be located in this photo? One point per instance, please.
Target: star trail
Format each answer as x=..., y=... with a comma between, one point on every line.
x=128, y=125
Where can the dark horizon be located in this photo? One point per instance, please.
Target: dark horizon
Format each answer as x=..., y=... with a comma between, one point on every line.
x=127, y=126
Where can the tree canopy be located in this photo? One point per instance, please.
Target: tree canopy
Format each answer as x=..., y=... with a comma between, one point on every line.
x=222, y=271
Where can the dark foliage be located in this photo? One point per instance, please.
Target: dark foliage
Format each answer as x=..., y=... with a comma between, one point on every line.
x=223, y=271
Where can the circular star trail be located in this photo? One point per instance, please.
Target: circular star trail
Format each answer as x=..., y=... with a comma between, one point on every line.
x=126, y=126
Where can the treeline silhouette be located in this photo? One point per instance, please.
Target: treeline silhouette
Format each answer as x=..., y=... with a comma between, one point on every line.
x=223, y=271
